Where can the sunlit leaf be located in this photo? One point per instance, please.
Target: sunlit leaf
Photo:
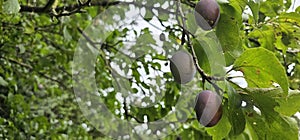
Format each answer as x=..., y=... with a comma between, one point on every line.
x=265, y=36
x=11, y=6
x=228, y=32
x=262, y=69
x=290, y=105
x=235, y=114
x=222, y=129
x=276, y=123
x=254, y=6
x=3, y=82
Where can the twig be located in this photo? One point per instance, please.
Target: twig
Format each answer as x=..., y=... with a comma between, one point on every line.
x=125, y=108
x=255, y=41
x=68, y=10
x=235, y=77
x=88, y=39
x=199, y=69
x=40, y=73
x=136, y=119
x=294, y=51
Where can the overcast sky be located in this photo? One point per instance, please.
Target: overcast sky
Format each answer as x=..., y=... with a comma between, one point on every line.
x=297, y=3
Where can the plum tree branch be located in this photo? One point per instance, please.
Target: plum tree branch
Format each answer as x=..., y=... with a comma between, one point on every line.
x=290, y=51
x=40, y=73
x=36, y=9
x=195, y=59
x=77, y=8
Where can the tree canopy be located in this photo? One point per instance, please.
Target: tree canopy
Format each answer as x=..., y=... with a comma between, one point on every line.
x=100, y=69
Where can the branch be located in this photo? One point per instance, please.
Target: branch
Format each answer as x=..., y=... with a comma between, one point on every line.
x=76, y=8
x=127, y=115
x=25, y=8
x=50, y=4
x=189, y=3
x=40, y=73
x=89, y=40
x=255, y=41
x=199, y=69
x=44, y=9
x=290, y=51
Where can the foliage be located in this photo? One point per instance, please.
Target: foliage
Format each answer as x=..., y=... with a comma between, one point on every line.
x=258, y=39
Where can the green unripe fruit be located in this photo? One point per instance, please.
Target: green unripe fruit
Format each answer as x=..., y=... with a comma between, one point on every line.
x=208, y=108
x=207, y=14
x=182, y=67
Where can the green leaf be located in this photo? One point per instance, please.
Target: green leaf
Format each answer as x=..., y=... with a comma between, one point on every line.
x=250, y=131
x=280, y=45
x=196, y=125
x=145, y=39
x=254, y=6
x=202, y=56
x=265, y=36
x=271, y=92
x=295, y=79
x=222, y=129
x=261, y=68
x=288, y=4
x=3, y=82
x=297, y=9
x=228, y=31
x=149, y=15
x=67, y=36
x=11, y=6
x=191, y=23
x=236, y=115
x=290, y=105
x=29, y=30
x=22, y=49
x=239, y=5
x=271, y=7
x=270, y=124
x=1, y=5
x=163, y=16
x=284, y=128
x=291, y=17
x=209, y=53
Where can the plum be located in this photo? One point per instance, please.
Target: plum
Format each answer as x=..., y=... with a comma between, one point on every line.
x=207, y=14
x=162, y=37
x=182, y=67
x=208, y=108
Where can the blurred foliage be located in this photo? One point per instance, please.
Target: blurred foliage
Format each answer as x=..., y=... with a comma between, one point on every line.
x=37, y=46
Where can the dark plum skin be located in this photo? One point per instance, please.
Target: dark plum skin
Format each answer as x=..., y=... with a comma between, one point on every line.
x=162, y=37
x=208, y=108
x=182, y=67
x=207, y=14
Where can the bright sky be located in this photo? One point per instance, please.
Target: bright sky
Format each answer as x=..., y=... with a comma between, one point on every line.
x=296, y=4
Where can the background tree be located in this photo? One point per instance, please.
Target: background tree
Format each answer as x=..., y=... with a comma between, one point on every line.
x=259, y=40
